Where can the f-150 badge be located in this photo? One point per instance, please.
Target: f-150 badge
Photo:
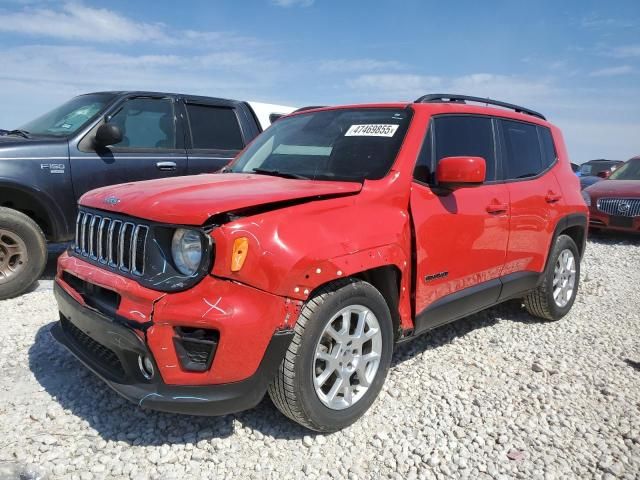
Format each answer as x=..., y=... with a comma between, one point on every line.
x=53, y=167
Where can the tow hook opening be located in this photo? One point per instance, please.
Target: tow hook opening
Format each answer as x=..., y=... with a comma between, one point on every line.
x=195, y=347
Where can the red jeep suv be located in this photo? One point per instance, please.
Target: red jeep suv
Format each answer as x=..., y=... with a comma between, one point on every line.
x=336, y=234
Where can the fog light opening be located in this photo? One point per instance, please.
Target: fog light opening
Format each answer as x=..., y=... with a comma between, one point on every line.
x=146, y=367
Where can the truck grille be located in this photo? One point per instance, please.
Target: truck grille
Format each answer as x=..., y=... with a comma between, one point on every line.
x=624, y=207
x=115, y=243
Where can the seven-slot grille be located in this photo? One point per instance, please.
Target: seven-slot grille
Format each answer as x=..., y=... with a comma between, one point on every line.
x=625, y=207
x=116, y=243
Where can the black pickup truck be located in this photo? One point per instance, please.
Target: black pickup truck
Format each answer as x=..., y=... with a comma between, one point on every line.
x=101, y=139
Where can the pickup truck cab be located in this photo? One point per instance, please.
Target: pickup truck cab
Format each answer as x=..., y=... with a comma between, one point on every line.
x=102, y=139
x=336, y=234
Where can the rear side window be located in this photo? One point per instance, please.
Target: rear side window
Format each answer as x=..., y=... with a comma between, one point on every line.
x=522, y=148
x=466, y=136
x=548, y=148
x=215, y=128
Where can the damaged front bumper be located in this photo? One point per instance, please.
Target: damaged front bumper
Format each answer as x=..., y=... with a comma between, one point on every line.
x=112, y=351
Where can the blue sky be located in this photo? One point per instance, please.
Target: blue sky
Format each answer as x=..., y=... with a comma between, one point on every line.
x=576, y=61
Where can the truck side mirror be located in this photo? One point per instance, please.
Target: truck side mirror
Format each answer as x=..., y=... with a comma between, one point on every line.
x=604, y=174
x=461, y=171
x=107, y=134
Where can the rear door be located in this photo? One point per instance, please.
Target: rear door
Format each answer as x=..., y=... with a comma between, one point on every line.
x=534, y=193
x=460, y=234
x=152, y=146
x=216, y=132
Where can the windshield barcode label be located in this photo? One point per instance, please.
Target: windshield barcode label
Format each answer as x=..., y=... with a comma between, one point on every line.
x=371, y=130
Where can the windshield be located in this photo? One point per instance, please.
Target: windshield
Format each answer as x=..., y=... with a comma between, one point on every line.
x=594, y=168
x=344, y=144
x=628, y=171
x=69, y=117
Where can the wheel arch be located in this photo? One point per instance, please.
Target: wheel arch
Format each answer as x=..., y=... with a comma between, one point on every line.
x=387, y=279
x=575, y=226
x=36, y=204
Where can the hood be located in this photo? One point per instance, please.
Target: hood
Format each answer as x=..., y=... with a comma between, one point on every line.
x=588, y=180
x=615, y=188
x=192, y=200
x=14, y=147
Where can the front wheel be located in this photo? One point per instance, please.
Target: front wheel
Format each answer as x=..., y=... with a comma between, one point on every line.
x=23, y=252
x=554, y=297
x=338, y=359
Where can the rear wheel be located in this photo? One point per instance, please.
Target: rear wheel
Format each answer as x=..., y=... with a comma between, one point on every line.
x=554, y=297
x=338, y=359
x=23, y=252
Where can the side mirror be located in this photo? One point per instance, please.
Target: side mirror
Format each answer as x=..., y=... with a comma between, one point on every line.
x=107, y=134
x=461, y=171
x=604, y=174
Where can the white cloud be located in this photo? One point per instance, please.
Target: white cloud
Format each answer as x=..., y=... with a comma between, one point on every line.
x=625, y=51
x=358, y=65
x=393, y=86
x=612, y=71
x=293, y=3
x=74, y=21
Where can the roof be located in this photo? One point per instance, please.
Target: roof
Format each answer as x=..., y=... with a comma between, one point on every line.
x=442, y=108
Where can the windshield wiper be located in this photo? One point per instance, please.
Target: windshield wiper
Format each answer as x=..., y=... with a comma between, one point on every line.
x=276, y=173
x=17, y=131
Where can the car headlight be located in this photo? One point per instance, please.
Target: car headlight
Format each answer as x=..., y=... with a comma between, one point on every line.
x=586, y=197
x=186, y=250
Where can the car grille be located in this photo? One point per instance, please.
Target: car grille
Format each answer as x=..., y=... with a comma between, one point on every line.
x=115, y=243
x=625, y=207
x=101, y=354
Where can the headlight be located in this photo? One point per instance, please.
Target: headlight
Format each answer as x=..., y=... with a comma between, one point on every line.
x=186, y=250
x=586, y=197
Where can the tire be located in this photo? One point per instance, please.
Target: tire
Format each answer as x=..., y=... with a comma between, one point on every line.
x=542, y=302
x=23, y=253
x=293, y=390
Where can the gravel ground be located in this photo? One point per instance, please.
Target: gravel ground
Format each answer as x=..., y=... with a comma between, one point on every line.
x=497, y=395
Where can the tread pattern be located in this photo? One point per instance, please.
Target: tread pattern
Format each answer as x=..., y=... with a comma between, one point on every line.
x=282, y=390
x=537, y=301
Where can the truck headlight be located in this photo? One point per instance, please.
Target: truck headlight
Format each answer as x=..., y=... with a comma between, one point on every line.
x=186, y=250
x=586, y=197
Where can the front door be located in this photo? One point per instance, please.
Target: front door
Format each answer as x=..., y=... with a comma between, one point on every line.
x=152, y=147
x=460, y=234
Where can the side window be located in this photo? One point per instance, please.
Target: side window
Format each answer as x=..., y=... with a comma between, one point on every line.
x=422, y=172
x=214, y=128
x=146, y=123
x=466, y=135
x=523, y=153
x=548, y=148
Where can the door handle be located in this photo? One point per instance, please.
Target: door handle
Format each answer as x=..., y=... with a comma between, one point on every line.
x=552, y=197
x=166, y=166
x=497, y=208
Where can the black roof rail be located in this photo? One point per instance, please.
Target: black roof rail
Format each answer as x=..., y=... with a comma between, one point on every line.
x=452, y=98
x=310, y=107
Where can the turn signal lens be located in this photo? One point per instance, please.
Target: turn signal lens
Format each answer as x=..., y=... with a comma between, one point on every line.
x=239, y=254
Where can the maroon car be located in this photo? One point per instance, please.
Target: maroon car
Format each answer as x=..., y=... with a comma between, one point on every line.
x=615, y=203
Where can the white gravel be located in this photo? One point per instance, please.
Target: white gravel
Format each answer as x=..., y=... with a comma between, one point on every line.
x=497, y=395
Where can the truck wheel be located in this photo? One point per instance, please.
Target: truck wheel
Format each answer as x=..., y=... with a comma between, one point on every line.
x=338, y=359
x=23, y=252
x=553, y=298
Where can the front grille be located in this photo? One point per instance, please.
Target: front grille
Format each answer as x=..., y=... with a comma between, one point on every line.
x=117, y=244
x=101, y=354
x=624, y=207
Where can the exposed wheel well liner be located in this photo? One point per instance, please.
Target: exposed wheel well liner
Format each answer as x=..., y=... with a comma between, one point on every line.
x=386, y=280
